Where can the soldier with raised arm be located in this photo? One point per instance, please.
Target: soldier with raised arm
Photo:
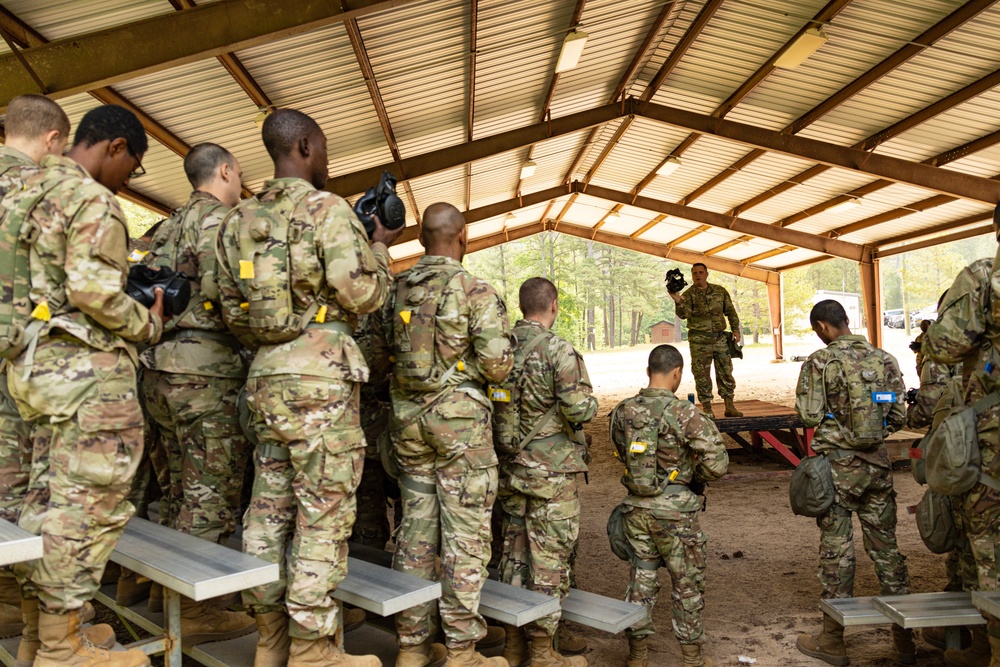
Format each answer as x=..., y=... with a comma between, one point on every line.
x=448, y=334
x=670, y=450
x=852, y=393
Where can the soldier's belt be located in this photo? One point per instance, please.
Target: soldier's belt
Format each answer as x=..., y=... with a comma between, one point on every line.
x=551, y=439
x=269, y=451
x=669, y=488
x=333, y=325
x=698, y=332
x=217, y=336
x=417, y=486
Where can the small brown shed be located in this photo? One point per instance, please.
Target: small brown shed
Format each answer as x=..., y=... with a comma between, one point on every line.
x=661, y=332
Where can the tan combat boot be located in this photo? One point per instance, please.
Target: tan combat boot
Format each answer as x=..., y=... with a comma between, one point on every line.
x=638, y=651
x=977, y=655
x=706, y=408
x=995, y=651
x=202, y=622
x=325, y=653
x=354, y=618
x=10, y=607
x=828, y=645
x=568, y=642
x=731, y=410
x=63, y=645
x=902, y=641
x=543, y=655
x=494, y=637
x=272, y=639
x=155, y=602
x=467, y=657
x=936, y=637
x=101, y=635
x=515, y=651
x=132, y=588
x=693, y=657
x=426, y=654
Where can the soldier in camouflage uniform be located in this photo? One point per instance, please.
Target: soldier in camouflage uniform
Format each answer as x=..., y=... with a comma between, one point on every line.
x=447, y=332
x=538, y=484
x=934, y=376
x=862, y=473
x=78, y=373
x=706, y=307
x=661, y=510
x=35, y=126
x=967, y=324
x=303, y=392
x=193, y=377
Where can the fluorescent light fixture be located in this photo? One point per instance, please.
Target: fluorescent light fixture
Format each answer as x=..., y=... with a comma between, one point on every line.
x=509, y=217
x=612, y=215
x=670, y=166
x=262, y=116
x=803, y=47
x=846, y=205
x=572, y=50
x=528, y=169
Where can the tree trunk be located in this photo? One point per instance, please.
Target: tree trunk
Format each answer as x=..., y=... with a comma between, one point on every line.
x=591, y=334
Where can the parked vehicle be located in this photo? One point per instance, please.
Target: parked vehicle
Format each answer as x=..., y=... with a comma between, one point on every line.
x=928, y=313
x=893, y=318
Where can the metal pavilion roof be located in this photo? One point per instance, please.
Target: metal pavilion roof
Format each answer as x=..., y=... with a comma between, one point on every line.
x=456, y=95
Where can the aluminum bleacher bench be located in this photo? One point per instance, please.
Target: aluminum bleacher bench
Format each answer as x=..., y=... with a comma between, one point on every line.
x=16, y=546
x=184, y=565
x=928, y=610
x=600, y=612
x=853, y=611
x=987, y=601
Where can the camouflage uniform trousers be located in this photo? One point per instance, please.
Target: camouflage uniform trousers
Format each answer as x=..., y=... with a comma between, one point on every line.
x=704, y=350
x=864, y=488
x=371, y=528
x=541, y=530
x=36, y=501
x=308, y=466
x=675, y=538
x=960, y=565
x=89, y=398
x=15, y=455
x=197, y=414
x=448, y=481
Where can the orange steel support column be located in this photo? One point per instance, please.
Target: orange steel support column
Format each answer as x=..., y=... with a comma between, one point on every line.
x=871, y=292
x=774, y=307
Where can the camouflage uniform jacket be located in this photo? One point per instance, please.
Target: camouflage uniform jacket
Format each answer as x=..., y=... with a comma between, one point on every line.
x=79, y=264
x=12, y=164
x=963, y=333
x=471, y=316
x=817, y=399
x=553, y=372
x=340, y=264
x=696, y=451
x=933, y=377
x=374, y=392
x=185, y=242
x=706, y=310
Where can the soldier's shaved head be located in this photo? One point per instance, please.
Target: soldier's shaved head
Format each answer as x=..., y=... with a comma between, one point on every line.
x=202, y=162
x=284, y=128
x=297, y=146
x=665, y=358
x=443, y=231
x=31, y=116
x=536, y=296
x=829, y=311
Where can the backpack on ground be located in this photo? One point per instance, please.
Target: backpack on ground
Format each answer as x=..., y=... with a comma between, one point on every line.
x=865, y=418
x=17, y=234
x=935, y=523
x=506, y=398
x=953, y=463
x=420, y=365
x=266, y=232
x=810, y=490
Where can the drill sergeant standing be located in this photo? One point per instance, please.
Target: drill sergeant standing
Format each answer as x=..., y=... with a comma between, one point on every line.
x=545, y=455
x=667, y=445
x=448, y=334
x=193, y=377
x=706, y=307
x=837, y=391
x=35, y=126
x=78, y=375
x=295, y=271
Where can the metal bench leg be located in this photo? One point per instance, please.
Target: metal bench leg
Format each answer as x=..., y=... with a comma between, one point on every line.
x=953, y=637
x=172, y=627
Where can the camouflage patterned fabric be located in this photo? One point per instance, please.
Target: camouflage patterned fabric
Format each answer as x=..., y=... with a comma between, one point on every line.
x=443, y=443
x=706, y=312
x=538, y=491
x=962, y=333
x=862, y=478
x=194, y=376
x=303, y=394
x=664, y=528
x=934, y=377
x=82, y=381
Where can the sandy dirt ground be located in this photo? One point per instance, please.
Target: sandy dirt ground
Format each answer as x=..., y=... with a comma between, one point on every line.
x=762, y=589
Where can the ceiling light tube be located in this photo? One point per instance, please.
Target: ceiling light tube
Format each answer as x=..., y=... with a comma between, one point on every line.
x=528, y=169
x=846, y=205
x=671, y=165
x=803, y=47
x=572, y=50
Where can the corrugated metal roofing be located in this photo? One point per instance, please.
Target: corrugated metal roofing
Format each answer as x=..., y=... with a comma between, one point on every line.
x=419, y=53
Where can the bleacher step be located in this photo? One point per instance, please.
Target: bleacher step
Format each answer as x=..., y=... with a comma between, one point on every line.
x=853, y=611
x=927, y=610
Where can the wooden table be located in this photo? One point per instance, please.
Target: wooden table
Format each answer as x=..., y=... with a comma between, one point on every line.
x=774, y=424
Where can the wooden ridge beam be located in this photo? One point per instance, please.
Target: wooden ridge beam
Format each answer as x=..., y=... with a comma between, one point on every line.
x=770, y=253
x=936, y=229
x=728, y=244
x=481, y=243
x=938, y=240
x=82, y=62
x=128, y=194
x=649, y=225
x=944, y=181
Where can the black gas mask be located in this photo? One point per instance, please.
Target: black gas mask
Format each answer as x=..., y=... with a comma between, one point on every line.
x=383, y=202
x=675, y=281
x=143, y=281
